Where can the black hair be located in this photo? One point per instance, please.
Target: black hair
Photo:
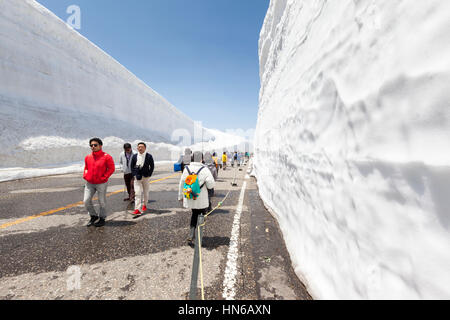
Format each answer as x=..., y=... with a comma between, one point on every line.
x=127, y=146
x=100, y=142
x=143, y=144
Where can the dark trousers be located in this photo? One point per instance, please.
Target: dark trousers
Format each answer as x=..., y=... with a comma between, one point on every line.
x=130, y=185
x=194, y=219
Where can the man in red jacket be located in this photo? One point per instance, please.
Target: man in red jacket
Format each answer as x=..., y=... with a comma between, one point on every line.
x=99, y=166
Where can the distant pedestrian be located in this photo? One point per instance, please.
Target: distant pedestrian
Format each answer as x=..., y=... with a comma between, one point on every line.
x=224, y=161
x=239, y=159
x=187, y=158
x=216, y=162
x=234, y=159
x=142, y=167
x=98, y=168
x=209, y=161
x=125, y=162
x=197, y=203
x=219, y=162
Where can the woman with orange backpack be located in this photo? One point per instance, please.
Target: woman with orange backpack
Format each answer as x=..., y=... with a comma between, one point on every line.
x=193, y=190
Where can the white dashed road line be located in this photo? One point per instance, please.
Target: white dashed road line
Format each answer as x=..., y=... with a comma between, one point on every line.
x=233, y=251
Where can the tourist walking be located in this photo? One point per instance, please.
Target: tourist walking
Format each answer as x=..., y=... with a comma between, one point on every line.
x=98, y=168
x=142, y=167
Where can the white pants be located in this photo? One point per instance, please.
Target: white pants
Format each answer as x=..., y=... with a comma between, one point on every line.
x=141, y=189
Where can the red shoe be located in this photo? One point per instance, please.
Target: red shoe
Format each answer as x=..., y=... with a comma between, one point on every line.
x=137, y=212
x=144, y=208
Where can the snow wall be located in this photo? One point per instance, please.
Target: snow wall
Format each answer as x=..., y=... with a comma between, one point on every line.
x=57, y=90
x=352, y=145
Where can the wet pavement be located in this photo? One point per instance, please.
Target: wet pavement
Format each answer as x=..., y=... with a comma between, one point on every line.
x=55, y=256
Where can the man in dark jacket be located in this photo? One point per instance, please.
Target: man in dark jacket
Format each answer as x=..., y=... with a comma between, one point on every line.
x=142, y=166
x=98, y=167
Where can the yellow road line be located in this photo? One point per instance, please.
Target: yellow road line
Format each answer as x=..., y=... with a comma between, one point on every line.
x=47, y=213
x=174, y=175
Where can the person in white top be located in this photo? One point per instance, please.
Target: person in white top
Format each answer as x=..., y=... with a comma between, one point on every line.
x=201, y=204
x=125, y=162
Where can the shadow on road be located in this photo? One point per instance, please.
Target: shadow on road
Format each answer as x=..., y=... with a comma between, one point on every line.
x=118, y=224
x=211, y=243
x=219, y=211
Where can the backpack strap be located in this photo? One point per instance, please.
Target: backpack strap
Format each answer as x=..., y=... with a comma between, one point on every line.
x=200, y=170
x=189, y=171
x=198, y=174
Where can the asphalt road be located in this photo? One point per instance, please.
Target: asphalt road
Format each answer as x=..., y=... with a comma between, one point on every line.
x=47, y=252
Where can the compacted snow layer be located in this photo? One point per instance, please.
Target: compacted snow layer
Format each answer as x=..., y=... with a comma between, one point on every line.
x=352, y=145
x=58, y=90
x=57, y=85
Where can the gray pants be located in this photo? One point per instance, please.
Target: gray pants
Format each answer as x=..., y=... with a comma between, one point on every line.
x=89, y=191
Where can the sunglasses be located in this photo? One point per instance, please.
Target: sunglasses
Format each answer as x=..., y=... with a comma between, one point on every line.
x=94, y=145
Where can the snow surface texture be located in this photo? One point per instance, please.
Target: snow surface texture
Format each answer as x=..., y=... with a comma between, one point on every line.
x=58, y=90
x=56, y=84
x=352, y=146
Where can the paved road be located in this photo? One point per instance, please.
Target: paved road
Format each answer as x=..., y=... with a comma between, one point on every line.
x=47, y=252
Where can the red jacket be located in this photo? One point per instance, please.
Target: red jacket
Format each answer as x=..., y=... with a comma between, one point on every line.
x=98, y=167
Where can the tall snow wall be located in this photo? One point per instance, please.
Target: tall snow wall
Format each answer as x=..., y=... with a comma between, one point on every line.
x=55, y=85
x=352, y=145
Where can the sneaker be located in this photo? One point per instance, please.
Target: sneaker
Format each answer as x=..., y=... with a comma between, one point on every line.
x=137, y=212
x=100, y=223
x=91, y=222
x=190, y=242
x=144, y=208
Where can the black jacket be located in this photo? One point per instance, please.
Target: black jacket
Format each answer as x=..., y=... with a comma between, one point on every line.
x=146, y=171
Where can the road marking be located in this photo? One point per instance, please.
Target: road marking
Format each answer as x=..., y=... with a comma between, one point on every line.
x=47, y=190
x=233, y=251
x=162, y=179
x=43, y=214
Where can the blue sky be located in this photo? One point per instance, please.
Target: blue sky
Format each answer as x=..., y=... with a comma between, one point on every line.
x=201, y=55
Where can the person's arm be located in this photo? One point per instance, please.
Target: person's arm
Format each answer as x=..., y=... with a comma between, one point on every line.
x=152, y=164
x=110, y=167
x=134, y=170
x=85, y=168
x=181, y=185
x=209, y=179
